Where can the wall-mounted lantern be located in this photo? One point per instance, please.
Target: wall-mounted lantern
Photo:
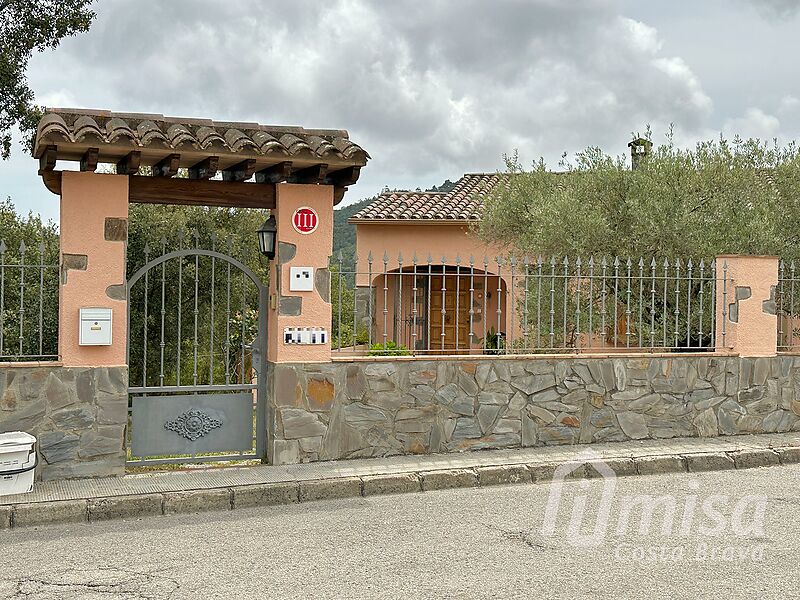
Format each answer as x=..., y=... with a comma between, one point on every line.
x=266, y=237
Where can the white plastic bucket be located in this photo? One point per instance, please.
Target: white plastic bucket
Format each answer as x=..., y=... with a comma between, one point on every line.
x=17, y=462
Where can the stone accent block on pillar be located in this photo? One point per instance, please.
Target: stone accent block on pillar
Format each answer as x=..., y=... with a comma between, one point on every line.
x=746, y=320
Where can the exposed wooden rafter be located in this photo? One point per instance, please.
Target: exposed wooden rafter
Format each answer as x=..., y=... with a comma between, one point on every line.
x=89, y=160
x=200, y=192
x=313, y=174
x=240, y=171
x=343, y=177
x=168, y=166
x=47, y=161
x=129, y=165
x=205, y=169
x=275, y=173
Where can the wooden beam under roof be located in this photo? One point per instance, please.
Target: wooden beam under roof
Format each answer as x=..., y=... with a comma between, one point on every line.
x=47, y=161
x=89, y=160
x=201, y=192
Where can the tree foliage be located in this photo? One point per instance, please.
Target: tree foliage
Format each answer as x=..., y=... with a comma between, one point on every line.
x=27, y=26
x=739, y=196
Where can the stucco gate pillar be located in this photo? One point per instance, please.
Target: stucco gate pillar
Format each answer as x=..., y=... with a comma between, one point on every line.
x=299, y=322
x=746, y=314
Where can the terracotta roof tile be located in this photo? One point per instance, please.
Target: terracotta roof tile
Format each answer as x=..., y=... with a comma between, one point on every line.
x=117, y=132
x=463, y=203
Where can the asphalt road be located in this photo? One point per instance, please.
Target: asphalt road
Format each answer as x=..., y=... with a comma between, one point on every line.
x=468, y=543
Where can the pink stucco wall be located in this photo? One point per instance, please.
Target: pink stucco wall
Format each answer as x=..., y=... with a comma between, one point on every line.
x=87, y=199
x=755, y=333
x=312, y=250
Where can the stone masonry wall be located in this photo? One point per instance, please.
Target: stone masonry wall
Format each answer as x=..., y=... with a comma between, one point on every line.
x=77, y=414
x=361, y=409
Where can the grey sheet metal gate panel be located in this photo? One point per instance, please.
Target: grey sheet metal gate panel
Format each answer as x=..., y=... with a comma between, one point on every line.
x=196, y=321
x=192, y=424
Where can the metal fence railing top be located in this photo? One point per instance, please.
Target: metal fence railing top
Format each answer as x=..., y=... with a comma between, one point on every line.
x=518, y=305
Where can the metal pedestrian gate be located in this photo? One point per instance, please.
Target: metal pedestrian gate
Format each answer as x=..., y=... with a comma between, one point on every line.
x=196, y=321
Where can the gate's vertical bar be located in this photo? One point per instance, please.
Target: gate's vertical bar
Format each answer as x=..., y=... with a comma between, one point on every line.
x=779, y=296
x=713, y=311
x=578, y=265
x=399, y=331
x=22, y=249
x=485, y=309
x=553, y=302
x=616, y=300
x=227, y=345
x=2, y=294
x=244, y=321
x=428, y=340
x=511, y=309
x=702, y=284
x=590, y=329
x=414, y=332
x=791, y=306
x=261, y=399
x=689, y=304
x=444, y=302
x=355, y=299
x=41, y=294
x=180, y=304
x=539, y=265
x=369, y=296
x=653, y=302
x=628, y=265
x=471, y=300
x=196, y=236
x=525, y=327
x=339, y=311
x=458, y=292
x=213, y=320
x=385, y=296
x=162, y=343
x=641, y=301
x=566, y=299
x=724, y=301
x=676, y=311
x=664, y=309
x=603, y=332
x=144, y=325
x=499, y=303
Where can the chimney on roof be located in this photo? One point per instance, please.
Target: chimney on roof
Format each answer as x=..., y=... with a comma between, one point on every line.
x=640, y=150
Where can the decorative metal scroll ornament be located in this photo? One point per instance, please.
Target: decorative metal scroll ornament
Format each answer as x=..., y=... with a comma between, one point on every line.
x=193, y=424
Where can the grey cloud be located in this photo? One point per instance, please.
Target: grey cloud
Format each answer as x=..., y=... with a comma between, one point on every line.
x=430, y=89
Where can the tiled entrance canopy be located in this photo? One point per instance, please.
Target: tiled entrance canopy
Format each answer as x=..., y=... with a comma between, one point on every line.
x=74, y=131
x=237, y=151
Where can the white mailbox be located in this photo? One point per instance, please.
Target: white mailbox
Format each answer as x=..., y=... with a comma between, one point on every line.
x=95, y=327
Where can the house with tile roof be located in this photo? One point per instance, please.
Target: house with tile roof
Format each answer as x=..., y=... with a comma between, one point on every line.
x=425, y=280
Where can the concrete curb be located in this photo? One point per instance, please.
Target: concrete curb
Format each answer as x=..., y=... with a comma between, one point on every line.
x=274, y=494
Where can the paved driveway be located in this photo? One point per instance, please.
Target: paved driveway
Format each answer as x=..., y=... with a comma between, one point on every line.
x=467, y=543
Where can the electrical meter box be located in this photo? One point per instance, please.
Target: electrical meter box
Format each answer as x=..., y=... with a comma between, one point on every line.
x=95, y=327
x=301, y=279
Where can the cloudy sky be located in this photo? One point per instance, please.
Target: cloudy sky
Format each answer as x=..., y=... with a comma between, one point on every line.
x=435, y=88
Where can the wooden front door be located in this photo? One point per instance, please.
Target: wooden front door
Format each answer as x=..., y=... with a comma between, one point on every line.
x=449, y=330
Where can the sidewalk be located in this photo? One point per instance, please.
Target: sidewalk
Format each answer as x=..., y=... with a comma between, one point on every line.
x=228, y=488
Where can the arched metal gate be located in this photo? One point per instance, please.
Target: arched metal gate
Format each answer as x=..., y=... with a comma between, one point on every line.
x=196, y=321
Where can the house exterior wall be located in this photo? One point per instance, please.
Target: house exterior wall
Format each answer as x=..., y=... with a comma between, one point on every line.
x=443, y=243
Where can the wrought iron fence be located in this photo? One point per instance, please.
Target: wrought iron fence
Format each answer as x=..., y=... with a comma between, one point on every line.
x=513, y=305
x=28, y=302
